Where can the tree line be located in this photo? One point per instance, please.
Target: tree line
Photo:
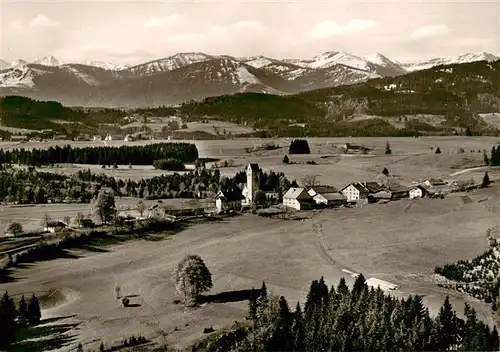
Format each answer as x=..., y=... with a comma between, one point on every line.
x=34, y=187
x=14, y=317
x=137, y=155
x=357, y=319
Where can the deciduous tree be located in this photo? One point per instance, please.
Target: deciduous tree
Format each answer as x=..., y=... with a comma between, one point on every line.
x=192, y=277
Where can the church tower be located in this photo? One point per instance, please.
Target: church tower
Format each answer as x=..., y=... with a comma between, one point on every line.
x=253, y=181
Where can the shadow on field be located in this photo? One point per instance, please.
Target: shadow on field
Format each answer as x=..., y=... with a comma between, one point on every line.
x=6, y=276
x=230, y=296
x=43, y=337
x=133, y=305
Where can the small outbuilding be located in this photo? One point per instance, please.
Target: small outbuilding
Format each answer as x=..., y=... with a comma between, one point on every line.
x=55, y=226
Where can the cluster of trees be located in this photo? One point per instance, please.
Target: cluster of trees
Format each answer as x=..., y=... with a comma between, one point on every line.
x=16, y=316
x=494, y=159
x=483, y=283
x=138, y=155
x=33, y=187
x=299, y=146
x=357, y=319
x=169, y=164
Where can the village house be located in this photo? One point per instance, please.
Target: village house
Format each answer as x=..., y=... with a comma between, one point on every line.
x=228, y=200
x=160, y=211
x=129, y=138
x=356, y=191
x=418, y=192
x=399, y=191
x=326, y=196
x=433, y=182
x=297, y=198
x=18, y=138
x=55, y=226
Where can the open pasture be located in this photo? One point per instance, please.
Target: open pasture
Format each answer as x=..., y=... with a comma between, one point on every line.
x=400, y=242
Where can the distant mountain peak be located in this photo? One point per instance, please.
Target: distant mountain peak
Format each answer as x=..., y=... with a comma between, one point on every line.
x=47, y=61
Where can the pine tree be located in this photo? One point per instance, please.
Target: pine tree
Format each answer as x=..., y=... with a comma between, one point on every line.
x=101, y=347
x=486, y=180
x=388, y=148
x=23, y=311
x=285, y=159
x=252, y=307
x=34, y=312
x=438, y=150
x=79, y=348
x=493, y=341
x=447, y=326
x=7, y=320
x=468, y=132
x=297, y=329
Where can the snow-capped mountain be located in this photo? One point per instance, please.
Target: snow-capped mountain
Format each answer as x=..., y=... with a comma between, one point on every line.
x=47, y=61
x=195, y=75
x=4, y=65
x=106, y=65
x=168, y=64
x=460, y=59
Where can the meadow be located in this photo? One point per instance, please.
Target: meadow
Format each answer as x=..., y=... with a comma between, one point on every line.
x=400, y=242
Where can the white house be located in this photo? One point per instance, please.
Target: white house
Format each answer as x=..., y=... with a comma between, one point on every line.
x=108, y=138
x=418, y=192
x=357, y=190
x=129, y=138
x=97, y=138
x=297, y=198
x=326, y=195
x=228, y=200
x=54, y=226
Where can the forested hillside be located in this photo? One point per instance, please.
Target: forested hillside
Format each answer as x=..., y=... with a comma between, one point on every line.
x=457, y=92
x=22, y=112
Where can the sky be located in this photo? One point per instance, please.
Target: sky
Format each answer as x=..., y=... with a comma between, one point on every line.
x=131, y=32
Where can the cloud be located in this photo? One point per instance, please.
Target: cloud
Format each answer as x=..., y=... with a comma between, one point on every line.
x=38, y=22
x=329, y=28
x=42, y=21
x=430, y=31
x=173, y=19
x=249, y=25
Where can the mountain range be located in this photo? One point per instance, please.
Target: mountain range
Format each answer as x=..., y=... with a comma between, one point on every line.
x=194, y=76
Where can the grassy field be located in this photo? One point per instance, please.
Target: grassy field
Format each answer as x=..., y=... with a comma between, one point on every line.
x=400, y=242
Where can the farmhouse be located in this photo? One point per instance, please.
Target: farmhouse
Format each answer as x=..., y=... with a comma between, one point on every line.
x=418, y=192
x=17, y=138
x=160, y=211
x=228, y=200
x=432, y=182
x=383, y=194
x=326, y=196
x=129, y=138
x=357, y=190
x=398, y=192
x=55, y=226
x=297, y=198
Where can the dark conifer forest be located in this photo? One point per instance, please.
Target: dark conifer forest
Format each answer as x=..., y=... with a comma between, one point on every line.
x=137, y=155
x=357, y=319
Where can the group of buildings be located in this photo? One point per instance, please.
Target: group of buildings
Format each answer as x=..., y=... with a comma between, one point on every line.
x=304, y=198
